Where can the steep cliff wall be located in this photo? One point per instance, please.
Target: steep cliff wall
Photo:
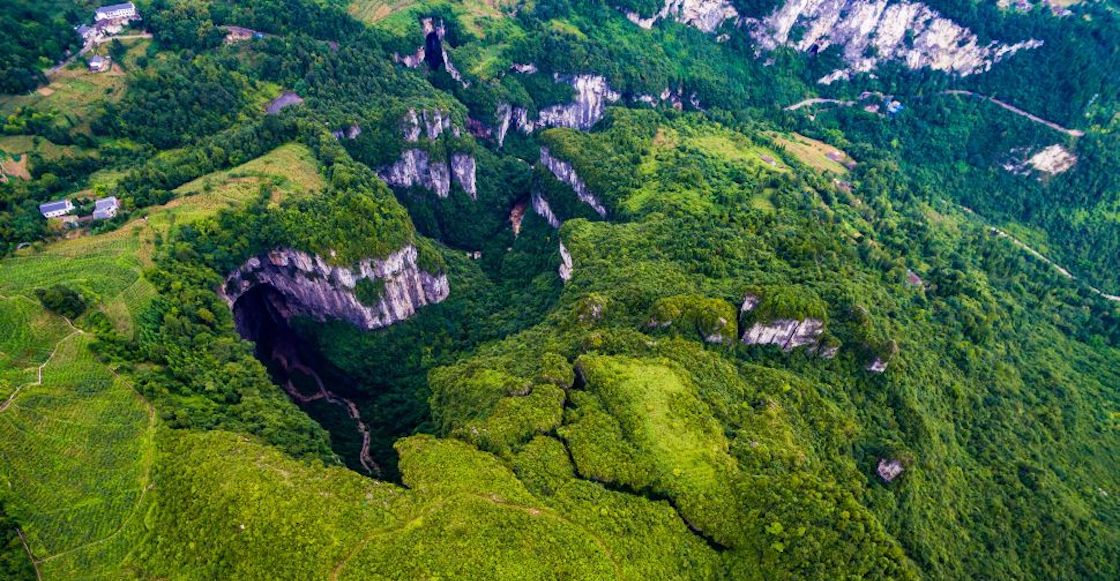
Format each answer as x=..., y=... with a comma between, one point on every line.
x=415, y=167
x=566, y=266
x=592, y=95
x=542, y=208
x=873, y=31
x=706, y=15
x=868, y=32
x=433, y=52
x=788, y=334
x=567, y=174
x=313, y=288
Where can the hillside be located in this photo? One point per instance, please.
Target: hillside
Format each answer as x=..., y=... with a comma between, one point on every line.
x=694, y=289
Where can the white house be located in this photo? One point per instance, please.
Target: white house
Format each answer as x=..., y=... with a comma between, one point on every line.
x=105, y=208
x=99, y=64
x=56, y=208
x=126, y=11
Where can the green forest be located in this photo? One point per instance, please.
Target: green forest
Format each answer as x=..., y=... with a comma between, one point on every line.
x=498, y=289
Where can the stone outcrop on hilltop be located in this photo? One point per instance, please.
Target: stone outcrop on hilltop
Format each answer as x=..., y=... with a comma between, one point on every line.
x=592, y=95
x=417, y=168
x=313, y=288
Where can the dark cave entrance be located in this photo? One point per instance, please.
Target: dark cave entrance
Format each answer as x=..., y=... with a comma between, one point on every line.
x=433, y=51
x=262, y=315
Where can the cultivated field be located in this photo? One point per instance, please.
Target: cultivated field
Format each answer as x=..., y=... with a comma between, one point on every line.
x=76, y=441
x=815, y=154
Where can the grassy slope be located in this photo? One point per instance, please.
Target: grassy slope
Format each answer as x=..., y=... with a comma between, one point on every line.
x=76, y=448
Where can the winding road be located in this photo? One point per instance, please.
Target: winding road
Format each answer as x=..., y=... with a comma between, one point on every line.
x=1018, y=111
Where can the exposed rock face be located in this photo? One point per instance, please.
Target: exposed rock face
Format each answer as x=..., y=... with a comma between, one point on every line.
x=750, y=301
x=1052, y=160
x=706, y=15
x=877, y=366
x=433, y=52
x=542, y=209
x=463, y=169
x=523, y=68
x=351, y=132
x=416, y=168
x=566, y=266
x=788, y=334
x=432, y=122
x=313, y=288
x=872, y=31
x=889, y=469
x=592, y=96
x=567, y=174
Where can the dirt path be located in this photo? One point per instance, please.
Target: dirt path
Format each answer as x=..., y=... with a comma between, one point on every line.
x=89, y=45
x=1018, y=111
x=39, y=371
x=291, y=363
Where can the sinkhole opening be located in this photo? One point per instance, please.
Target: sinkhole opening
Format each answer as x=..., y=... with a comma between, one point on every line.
x=336, y=401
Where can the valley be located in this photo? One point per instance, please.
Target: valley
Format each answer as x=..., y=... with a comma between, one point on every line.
x=626, y=289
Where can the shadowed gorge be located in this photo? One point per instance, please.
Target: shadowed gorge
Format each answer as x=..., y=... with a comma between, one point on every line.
x=262, y=316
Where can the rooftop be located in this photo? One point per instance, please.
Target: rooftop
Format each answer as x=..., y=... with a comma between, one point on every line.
x=55, y=206
x=115, y=7
x=106, y=203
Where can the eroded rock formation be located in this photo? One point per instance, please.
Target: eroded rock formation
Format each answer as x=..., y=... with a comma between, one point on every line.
x=544, y=210
x=872, y=31
x=416, y=168
x=566, y=265
x=313, y=288
x=706, y=15
x=788, y=334
x=592, y=95
x=433, y=52
x=567, y=174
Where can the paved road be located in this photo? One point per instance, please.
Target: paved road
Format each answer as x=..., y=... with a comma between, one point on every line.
x=1018, y=111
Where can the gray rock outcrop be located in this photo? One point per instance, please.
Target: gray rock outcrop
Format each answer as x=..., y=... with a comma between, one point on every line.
x=888, y=470
x=567, y=174
x=436, y=29
x=415, y=168
x=592, y=95
x=542, y=208
x=706, y=15
x=788, y=334
x=566, y=266
x=313, y=288
x=431, y=122
x=873, y=31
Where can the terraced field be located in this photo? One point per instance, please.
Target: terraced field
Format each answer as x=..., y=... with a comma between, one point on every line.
x=76, y=441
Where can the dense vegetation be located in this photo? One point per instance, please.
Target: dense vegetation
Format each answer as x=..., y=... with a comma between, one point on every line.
x=37, y=34
x=611, y=425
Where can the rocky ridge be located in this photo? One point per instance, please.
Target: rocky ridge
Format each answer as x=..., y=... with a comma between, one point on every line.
x=868, y=31
x=567, y=174
x=313, y=288
x=416, y=167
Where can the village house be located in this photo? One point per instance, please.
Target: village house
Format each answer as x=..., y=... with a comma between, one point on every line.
x=99, y=64
x=56, y=209
x=105, y=208
x=126, y=11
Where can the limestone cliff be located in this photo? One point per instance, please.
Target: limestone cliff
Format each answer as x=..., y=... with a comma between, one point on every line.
x=868, y=32
x=873, y=31
x=433, y=52
x=567, y=174
x=566, y=265
x=415, y=167
x=313, y=288
x=788, y=334
x=542, y=208
x=706, y=15
x=592, y=95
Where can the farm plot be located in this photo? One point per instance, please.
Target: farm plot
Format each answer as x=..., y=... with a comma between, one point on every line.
x=815, y=154
x=75, y=452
